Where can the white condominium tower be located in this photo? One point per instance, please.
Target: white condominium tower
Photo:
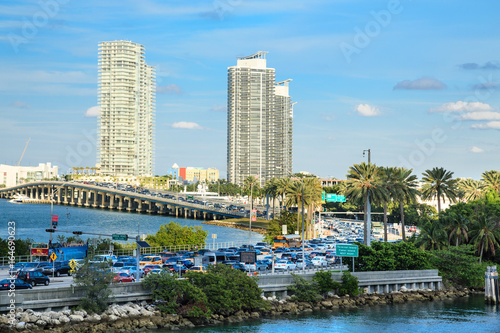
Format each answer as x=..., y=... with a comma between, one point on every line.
x=259, y=122
x=127, y=100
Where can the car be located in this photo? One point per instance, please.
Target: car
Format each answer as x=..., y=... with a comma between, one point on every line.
x=17, y=267
x=18, y=284
x=149, y=268
x=33, y=278
x=199, y=269
x=250, y=267
x=319, y=261
x=35, y=266
x=283, y=264
x=123, y=277
x=57, y=268
x=131, y=270
x=118, y=266
x=300, y=263
x=261, y=265
x=151, y=260
x=166, y=255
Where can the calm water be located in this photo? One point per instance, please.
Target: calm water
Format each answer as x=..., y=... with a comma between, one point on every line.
x=457, y=316
x=32, y=220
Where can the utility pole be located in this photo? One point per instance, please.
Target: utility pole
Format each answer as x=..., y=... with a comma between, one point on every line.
x=303, y=238
x=368, y=215
x=251, y=212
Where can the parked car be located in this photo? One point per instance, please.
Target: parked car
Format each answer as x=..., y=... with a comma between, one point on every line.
x=18, y=284
x=199, y=269
x=57, y=268
x=35, y=266
x=123, y=277
x=283, y=264
x=118, y=266
x=33, y=278
x=319, y=261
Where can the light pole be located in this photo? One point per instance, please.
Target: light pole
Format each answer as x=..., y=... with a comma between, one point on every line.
x=251, y=212
x=303, y=238
x=368, y=216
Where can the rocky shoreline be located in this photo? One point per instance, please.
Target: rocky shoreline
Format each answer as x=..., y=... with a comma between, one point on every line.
x=145, y=317
x=236, y=225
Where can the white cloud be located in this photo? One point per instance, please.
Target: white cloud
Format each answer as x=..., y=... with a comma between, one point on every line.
x=486, y=115
x=461, y=106
x=367, y=110
x=475, y=149
x=488, y=125
x=93, y=111
x=186, y=125
x=170, y=89
x=20, y=105
x=424, y=83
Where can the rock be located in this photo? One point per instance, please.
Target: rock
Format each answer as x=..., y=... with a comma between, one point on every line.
x=326, y=304
x=76, y=318
x=66, y=312
x=112, y=318
x=20, y=326
x=134, y=313
x=46, y=319
x=403, y=289
x=55, y=322
x=64, y=319
x=41, y=323
x=255, y=315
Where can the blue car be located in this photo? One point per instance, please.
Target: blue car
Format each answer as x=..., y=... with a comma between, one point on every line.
x=18, y=283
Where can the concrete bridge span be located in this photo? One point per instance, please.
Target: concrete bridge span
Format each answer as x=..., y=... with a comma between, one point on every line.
x=86, y=195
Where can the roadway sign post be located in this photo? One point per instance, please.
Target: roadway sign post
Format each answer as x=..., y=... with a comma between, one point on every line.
x=53, y=257
x=120, y=237
x=347, y=250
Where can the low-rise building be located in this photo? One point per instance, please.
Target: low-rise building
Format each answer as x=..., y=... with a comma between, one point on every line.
x=11, y=175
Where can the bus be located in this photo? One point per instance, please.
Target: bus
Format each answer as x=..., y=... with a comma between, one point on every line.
x=287, y=241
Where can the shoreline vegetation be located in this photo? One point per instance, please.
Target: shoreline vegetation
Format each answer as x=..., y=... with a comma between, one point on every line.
x=142, y=316
x=259, y=227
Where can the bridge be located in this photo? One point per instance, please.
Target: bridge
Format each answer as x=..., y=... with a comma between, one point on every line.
x=86, y=195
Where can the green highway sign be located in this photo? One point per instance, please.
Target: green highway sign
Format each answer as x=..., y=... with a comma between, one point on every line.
x=119, y=237
x=330, y=197
x=346, y=250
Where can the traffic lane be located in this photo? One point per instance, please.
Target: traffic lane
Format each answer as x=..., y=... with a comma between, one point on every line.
x=62, y=281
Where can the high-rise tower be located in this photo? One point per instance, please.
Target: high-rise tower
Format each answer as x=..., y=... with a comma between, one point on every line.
x=127, y=101
x=259, y=122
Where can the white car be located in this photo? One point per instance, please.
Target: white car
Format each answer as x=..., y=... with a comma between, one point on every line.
x=319, y=262
x=283, y=264
x=250, y=267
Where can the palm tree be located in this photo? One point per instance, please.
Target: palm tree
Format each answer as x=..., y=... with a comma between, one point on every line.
x=363, y=180
x=457, y=226
x=388, y=181
x=271, y=189
x=405, y=192
x=439, y=183
x=313, y=190
x=284, y=185
x=485, y=235
x=251, y=183
x=472, y=189
x=492, y=180
x=432, y=236
x=294, y=197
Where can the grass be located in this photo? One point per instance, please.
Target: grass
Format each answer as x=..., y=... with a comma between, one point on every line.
x=261, y=223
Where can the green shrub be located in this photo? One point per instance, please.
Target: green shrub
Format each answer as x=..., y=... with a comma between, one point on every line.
x=349, y=285
x=460, y=266
x=324, y=282
x=228, y=290
x=177, y=296
x=303, y=290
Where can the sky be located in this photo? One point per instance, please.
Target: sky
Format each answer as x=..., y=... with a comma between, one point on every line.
x=415, y=82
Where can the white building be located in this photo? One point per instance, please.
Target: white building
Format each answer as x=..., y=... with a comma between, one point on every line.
x=11, y=175
x=259, y=122
x=127, y=101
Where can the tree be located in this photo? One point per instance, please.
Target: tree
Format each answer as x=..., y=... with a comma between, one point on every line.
x=439, y=183
x=405, y=191
x=252, y=187
x=492, y=180
x=485, y=234
x=471, y=189
x=457, y=225
x=284, y=185
x=271, y=189
x=295, y=197
x=275, y=227
x=95, y=279
x=313, y=191
x=388, y=181
x=364, y=180
x=432, y=236
x=175, y=234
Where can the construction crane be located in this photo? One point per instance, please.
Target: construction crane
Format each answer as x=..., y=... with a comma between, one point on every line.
x=18, y=163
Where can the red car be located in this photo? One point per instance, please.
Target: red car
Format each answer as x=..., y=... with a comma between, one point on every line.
x=123, y=277
x=149, y=268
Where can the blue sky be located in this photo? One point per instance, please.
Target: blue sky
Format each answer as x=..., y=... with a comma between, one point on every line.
x=417, y=82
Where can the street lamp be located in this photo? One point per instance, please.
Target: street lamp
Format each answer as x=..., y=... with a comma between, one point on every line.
x=368, y=216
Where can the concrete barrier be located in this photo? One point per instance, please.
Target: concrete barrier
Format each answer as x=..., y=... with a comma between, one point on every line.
x=52, y=298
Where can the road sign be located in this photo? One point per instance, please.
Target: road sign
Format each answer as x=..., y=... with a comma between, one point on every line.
x=73, y=264
x=53, y=256
x=119, y=237
x=214, y=236
x=330, y=197
x=346, y=250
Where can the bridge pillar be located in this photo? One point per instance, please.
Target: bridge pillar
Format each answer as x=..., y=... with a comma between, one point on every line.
x=176, y=211
x=80, y=195
x=151, y=207
x=59, y=194
x=120, y=202
x=66, y=190
x=160, y=210
x=72, y=202
x=103, y=200
x=204, y=215
x=185, y=213
x=130, y=203
x=93, y=194
x=111, y=201
x=139, y=207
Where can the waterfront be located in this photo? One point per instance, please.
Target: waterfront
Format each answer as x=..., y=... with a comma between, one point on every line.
x=32, y=220
x=468, y=314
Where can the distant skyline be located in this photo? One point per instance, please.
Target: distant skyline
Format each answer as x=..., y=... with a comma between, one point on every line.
x=416, y=82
